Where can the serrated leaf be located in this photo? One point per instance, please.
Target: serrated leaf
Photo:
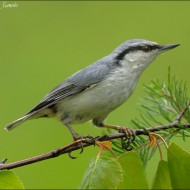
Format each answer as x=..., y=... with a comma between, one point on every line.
x=162, y=178
x=9, y=180
x=133, y=170
x=102, y=173
x=179, y=167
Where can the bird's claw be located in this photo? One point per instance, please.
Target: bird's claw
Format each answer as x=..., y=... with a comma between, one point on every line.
x=85, y=139
x=129, y=137
x=82, y=139
x=88, y=139
x=70, y=156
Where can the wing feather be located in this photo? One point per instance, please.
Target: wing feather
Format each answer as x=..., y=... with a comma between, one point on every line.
x=51, y=99
x=78, y=82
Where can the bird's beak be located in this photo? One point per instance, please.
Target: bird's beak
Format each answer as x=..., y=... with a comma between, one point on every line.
x=168, y=47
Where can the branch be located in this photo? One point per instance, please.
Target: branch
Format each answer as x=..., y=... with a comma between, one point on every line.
x=80, y=144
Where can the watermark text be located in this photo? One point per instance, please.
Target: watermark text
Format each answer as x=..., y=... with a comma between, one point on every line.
x=6, y=5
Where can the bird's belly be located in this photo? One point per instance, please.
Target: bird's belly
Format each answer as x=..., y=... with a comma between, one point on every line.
x=94, y=102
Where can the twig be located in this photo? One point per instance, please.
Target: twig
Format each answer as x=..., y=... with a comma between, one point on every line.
x=81, y=144
x=182, y=112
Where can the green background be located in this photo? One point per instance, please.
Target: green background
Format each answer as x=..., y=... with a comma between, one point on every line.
x=42, y=43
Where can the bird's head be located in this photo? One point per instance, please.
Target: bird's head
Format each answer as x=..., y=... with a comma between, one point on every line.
x=137, y=54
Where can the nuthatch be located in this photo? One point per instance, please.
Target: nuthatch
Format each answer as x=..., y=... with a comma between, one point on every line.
x=93, y=92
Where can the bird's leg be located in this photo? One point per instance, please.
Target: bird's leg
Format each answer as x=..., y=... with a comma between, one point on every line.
x=129, y=135
x=77, y=137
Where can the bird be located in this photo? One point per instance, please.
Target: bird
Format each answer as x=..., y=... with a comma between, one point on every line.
x=98, y=89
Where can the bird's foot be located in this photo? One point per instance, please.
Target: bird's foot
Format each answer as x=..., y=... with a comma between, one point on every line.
x=82, y=139
x=86, y=139
x=128, y=138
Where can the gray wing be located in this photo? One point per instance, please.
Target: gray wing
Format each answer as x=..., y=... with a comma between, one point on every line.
x=78, y=82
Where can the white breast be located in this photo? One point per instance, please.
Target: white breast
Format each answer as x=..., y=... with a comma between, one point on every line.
x=99, y=100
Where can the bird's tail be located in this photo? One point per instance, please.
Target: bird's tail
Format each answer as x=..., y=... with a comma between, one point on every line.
x=17, y=122
x=30, y=115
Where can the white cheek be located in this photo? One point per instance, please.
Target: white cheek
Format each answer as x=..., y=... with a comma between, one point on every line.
x=135, y=57
x=131, y=58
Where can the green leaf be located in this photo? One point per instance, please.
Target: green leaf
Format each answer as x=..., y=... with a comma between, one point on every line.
x=162, y=178
x=102, y=173
x=179, y=167
x=9, y=180
x=133, y=170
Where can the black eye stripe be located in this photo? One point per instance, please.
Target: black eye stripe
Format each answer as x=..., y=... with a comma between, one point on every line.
x=144, y=48
x=147, y=48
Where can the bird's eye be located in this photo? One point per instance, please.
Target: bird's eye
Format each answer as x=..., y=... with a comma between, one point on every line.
x=146, y=48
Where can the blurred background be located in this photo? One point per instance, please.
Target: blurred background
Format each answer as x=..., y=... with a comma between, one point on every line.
x=43, y=43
